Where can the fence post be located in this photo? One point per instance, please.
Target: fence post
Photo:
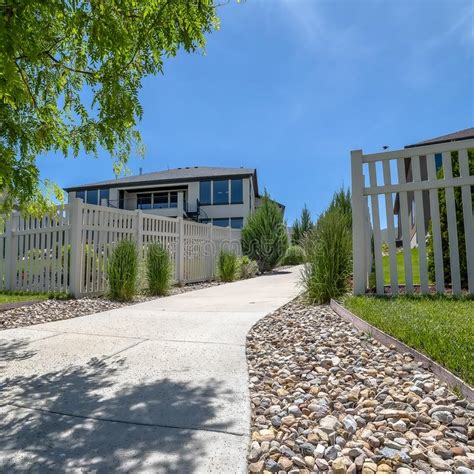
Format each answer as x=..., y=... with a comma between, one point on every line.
x=11, y=251
x=211, y=254
x=139, y=234
x=180, y=252
x=75, y=274
x=358, y=225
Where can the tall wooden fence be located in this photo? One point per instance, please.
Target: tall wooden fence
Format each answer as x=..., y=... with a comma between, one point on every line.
x=413, y=179
x=69, y=250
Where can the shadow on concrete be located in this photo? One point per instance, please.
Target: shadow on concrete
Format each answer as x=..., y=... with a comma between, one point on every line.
x=15, y=349
x=76, y=427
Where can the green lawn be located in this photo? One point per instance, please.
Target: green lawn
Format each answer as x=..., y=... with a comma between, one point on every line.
x=441, y=327
x=13, y=297
x=401, y=267
x=415, y=265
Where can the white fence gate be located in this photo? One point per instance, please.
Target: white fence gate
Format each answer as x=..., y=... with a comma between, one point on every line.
x=68, y=251
x=416, y=189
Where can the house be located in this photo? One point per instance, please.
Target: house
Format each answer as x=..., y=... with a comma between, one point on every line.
x=221, y=196
x=465, y=134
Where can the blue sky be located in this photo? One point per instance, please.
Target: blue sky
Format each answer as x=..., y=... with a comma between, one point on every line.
x=291, y=86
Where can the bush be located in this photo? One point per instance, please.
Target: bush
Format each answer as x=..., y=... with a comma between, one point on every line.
x=328, y=249
x=294, y=255
x=444, y=227
x=122, y=271
x=264, y=237
x=227, y=266
x=158, y=269
x=247, y=268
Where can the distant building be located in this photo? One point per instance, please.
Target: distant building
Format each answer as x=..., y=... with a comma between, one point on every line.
x=466, y=134
x=221, y=196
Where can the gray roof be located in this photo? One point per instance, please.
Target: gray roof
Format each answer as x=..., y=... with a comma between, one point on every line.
x=189, y=173
x=465, y=134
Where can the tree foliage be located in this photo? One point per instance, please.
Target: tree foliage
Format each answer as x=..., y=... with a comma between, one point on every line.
x=444, y=227
x=70, y=73
x=341, y=201
x=264, y=237
x=301, y=226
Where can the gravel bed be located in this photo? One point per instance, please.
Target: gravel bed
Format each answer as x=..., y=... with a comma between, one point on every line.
x=54, y=310
x=327, y=398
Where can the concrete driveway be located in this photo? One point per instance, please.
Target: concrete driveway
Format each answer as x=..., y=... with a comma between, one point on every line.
x=159, y=386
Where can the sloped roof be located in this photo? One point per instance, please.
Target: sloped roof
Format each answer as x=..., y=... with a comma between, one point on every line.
x=189, y=173
x=465, y=134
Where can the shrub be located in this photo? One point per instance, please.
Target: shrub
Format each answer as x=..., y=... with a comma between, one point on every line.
x=294, y=255
x=158, y=269
x=264, y=237
x=247, y=268
x=227, y=266
x=122, y=271
x=328, y=249
x=444, y=227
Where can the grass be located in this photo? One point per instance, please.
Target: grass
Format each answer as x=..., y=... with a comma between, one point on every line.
x=15, y=297
x=415, y=264
x=440, y=327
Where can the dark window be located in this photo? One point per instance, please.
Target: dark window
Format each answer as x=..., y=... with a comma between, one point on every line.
x=160, y=200
x=92, y=196
x=205, y=221
x=81, y=195
x=173, y=199
x=144, y=201
x=121, y=199
x=237, y=222
x=103, y=194
x=237, y=195
x=205, y=192
x=221, y=222
x=221, y=192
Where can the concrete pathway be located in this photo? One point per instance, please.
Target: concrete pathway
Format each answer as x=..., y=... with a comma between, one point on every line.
x=159, y=386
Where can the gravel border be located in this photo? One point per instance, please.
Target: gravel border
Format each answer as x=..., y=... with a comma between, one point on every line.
x=55, y=310
x=328, y=398
x=441, y=372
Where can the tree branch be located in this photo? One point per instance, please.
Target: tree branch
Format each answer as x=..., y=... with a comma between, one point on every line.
x=27, y=85
x=65, y=66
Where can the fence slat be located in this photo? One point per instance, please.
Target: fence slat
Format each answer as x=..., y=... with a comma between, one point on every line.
x=468, y=219
x=452, y=226
x=435, y=226
x=379, y=277
x=392, y=249
x=403, y=201
x=420, y=226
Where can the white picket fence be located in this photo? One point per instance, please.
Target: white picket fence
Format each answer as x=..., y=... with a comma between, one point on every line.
x=68, y=251
x=383, y=185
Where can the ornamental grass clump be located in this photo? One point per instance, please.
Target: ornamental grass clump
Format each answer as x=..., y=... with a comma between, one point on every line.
x=247, y=268
x=328, y=248
x=122, y=271
x=294, y=255
x=159, y=269
x=227, y=266
x=264, y=237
